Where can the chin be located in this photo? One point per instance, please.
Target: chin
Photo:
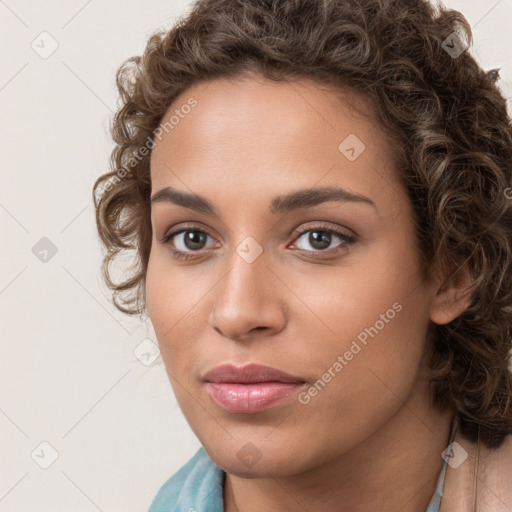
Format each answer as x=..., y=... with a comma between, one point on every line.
x=261, y=469
x=244, y=460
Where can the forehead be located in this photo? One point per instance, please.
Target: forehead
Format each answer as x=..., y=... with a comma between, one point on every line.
x=250, y=131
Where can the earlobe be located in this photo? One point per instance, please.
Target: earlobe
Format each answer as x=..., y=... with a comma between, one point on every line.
x=452, y=299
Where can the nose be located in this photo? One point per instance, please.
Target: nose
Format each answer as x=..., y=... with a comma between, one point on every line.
x=249, y=299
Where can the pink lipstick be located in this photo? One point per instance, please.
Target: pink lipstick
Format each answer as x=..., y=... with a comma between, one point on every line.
x=251, y=388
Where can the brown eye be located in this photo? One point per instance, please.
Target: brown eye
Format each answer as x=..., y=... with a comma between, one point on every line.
x=194, y=240
x=320, y=239
x=185, y=242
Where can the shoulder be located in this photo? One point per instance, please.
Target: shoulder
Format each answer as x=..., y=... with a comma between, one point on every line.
x=194, y=487
x=496, y=475
x=479, y=477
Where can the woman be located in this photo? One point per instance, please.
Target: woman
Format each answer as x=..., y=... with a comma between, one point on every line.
x=318, y=194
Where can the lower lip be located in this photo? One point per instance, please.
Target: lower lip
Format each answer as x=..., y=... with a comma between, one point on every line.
x=250, y=397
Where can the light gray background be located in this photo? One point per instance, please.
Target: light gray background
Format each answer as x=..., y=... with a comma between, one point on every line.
x=69, y=375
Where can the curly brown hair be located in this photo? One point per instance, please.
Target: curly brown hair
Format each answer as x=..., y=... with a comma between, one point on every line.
x=452, y=143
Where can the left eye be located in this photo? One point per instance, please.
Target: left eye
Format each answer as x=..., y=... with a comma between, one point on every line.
x=321, y=239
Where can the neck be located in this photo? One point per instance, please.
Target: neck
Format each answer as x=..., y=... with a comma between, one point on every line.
x=396, y=468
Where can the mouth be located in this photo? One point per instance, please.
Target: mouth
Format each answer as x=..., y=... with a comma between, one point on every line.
x=251, y=388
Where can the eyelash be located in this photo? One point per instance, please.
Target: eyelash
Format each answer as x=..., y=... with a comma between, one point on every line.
x=347, y=240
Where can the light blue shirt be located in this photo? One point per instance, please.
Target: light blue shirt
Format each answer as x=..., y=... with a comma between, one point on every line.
x=198, y=487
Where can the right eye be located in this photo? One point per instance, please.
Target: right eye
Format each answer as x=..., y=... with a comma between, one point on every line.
x=185, y=242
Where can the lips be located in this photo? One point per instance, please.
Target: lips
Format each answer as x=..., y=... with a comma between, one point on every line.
x=250, y=389
x=249, y=374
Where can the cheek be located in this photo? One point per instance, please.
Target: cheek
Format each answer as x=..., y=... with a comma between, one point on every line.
x=383, y=332
x=170, y=294
x=353, y=296
x=377, y=375
x=165, y=307
x=157, y=294
x=177, y=305
x=378, y=371
x=375, y=311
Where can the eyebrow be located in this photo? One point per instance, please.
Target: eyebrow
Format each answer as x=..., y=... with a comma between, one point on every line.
x=299, y=199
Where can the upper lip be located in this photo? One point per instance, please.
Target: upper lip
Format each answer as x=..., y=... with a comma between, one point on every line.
x=251, y=373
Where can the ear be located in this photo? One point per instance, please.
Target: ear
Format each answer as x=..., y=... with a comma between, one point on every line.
x=453, y=297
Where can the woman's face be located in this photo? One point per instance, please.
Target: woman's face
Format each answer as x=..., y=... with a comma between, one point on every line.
x=256, y=163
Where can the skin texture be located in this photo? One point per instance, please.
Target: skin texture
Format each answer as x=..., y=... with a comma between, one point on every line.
x=369, y=439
